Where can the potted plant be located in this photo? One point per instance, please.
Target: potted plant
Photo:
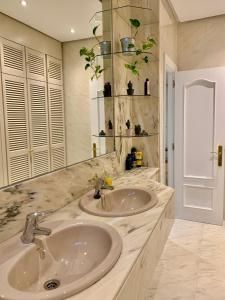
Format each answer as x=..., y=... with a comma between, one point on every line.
x=110, y=128
x=128, y=130
x=128, y=45
x=90, y=55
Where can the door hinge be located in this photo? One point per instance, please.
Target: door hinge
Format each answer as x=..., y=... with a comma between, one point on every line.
x=173, y=146
x=174, y=83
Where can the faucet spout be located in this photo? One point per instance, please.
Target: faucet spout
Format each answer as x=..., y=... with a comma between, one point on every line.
x=100, y=185
x=32, y=229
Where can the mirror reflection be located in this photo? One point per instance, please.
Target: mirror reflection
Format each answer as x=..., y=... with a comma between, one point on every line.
x=56, y=107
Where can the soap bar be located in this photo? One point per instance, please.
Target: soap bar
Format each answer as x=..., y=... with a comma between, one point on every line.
x=108, y=181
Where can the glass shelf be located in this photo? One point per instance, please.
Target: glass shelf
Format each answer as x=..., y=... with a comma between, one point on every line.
x=126, y=12
x=126, y=136
x=129, y=56
x=125, y=96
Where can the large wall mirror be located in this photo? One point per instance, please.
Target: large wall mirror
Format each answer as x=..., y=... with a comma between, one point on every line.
x=56, y=107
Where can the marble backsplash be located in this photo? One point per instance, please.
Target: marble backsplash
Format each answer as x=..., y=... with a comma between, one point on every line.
x=51, y=192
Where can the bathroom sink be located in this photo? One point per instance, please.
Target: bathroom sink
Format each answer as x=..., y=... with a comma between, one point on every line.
x=76, y=256
x=119, y=202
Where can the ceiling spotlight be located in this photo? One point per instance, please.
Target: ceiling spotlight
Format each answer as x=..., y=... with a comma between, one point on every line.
x=72, y=30
x=23, y=3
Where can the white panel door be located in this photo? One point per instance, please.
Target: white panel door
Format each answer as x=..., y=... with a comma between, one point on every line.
x=39, y=128
x=57, y=130
x=199, y=130
x=12, y=58
x=54, y=70
x=36, y=65
x=16, y=127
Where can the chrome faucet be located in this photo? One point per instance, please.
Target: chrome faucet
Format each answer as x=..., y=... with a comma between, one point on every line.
x=32, y=229
x=100, y=185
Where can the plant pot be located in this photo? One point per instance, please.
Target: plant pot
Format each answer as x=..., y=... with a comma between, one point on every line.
x=128, y=132
x=130, y=92
x=125, y=42
x=105, y=47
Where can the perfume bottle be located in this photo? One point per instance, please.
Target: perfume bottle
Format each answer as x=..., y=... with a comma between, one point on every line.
x=147, y=87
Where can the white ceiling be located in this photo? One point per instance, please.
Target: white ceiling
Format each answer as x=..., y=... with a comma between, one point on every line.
x=188, y=10
x=55, y=17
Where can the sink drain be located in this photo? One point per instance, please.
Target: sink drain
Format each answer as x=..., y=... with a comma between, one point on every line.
x=51, y=284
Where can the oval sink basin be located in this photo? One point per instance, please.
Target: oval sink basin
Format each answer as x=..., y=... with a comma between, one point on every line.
x=119, y=202
x=76, y=256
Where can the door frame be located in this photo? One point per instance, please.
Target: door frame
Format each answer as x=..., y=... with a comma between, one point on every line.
x=168, y=64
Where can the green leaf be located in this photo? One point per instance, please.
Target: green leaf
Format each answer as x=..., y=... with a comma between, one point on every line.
x=146, y=59
x=95, y=29
x=138, y=51
x=151, y=40
x=135, y=22
x=131, y=46
x=135, y=72
x=87, y=66
x=83, y=51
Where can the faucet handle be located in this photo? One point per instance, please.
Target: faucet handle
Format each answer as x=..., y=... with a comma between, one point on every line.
x=35, y=215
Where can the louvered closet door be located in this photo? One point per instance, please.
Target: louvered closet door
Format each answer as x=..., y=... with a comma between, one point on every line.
x=3, y=162
x=36, y=65
x=39, y=131
x=54, y=68
x=12, y=58
x=16, y=126
x=57, y=132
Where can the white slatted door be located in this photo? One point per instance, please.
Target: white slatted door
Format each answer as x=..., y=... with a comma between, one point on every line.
x=3, y=162
x=12, y=58
x=57, y=130
x=36, y=65
x=55, y=73
x=16, y=125
x=39, y=132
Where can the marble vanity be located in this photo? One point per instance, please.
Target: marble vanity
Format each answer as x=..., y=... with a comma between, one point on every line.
x=143, y=236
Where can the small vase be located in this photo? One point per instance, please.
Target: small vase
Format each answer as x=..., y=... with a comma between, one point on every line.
x=130, y=92
x=128, y=132
x=125, y=42
x=105, y=47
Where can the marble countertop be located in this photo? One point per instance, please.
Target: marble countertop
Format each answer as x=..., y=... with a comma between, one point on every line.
x=134, y=230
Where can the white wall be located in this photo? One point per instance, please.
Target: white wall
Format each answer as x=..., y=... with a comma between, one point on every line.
x=77, y=102
x=20, y=33
x=201, y=43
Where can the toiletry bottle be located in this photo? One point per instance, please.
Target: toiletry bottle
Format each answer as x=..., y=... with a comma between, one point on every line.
x=129, y=162
x=139, y=159
x=147, y=87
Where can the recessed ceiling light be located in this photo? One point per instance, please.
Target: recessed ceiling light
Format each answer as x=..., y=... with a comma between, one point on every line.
x=72, y=30
x=23, y=2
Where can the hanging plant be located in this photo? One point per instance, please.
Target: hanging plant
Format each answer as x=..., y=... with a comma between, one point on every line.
x=128, y=45
x=90, y=58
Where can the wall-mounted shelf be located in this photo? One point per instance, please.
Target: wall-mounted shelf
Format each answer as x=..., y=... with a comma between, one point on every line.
x=129, y=56
x=126, y=136
x=125, y=12
x=133, y=97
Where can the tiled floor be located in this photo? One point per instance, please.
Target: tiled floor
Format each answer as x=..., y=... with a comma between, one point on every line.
x=192, y=266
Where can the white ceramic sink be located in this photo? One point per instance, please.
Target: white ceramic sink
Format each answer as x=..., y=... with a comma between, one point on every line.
x=77, y=255
x=120, y=202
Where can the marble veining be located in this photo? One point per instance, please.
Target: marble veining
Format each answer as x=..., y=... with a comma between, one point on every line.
x=134, y=230
x=192, y=264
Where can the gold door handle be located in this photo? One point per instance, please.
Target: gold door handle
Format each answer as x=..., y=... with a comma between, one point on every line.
x=220, y=156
